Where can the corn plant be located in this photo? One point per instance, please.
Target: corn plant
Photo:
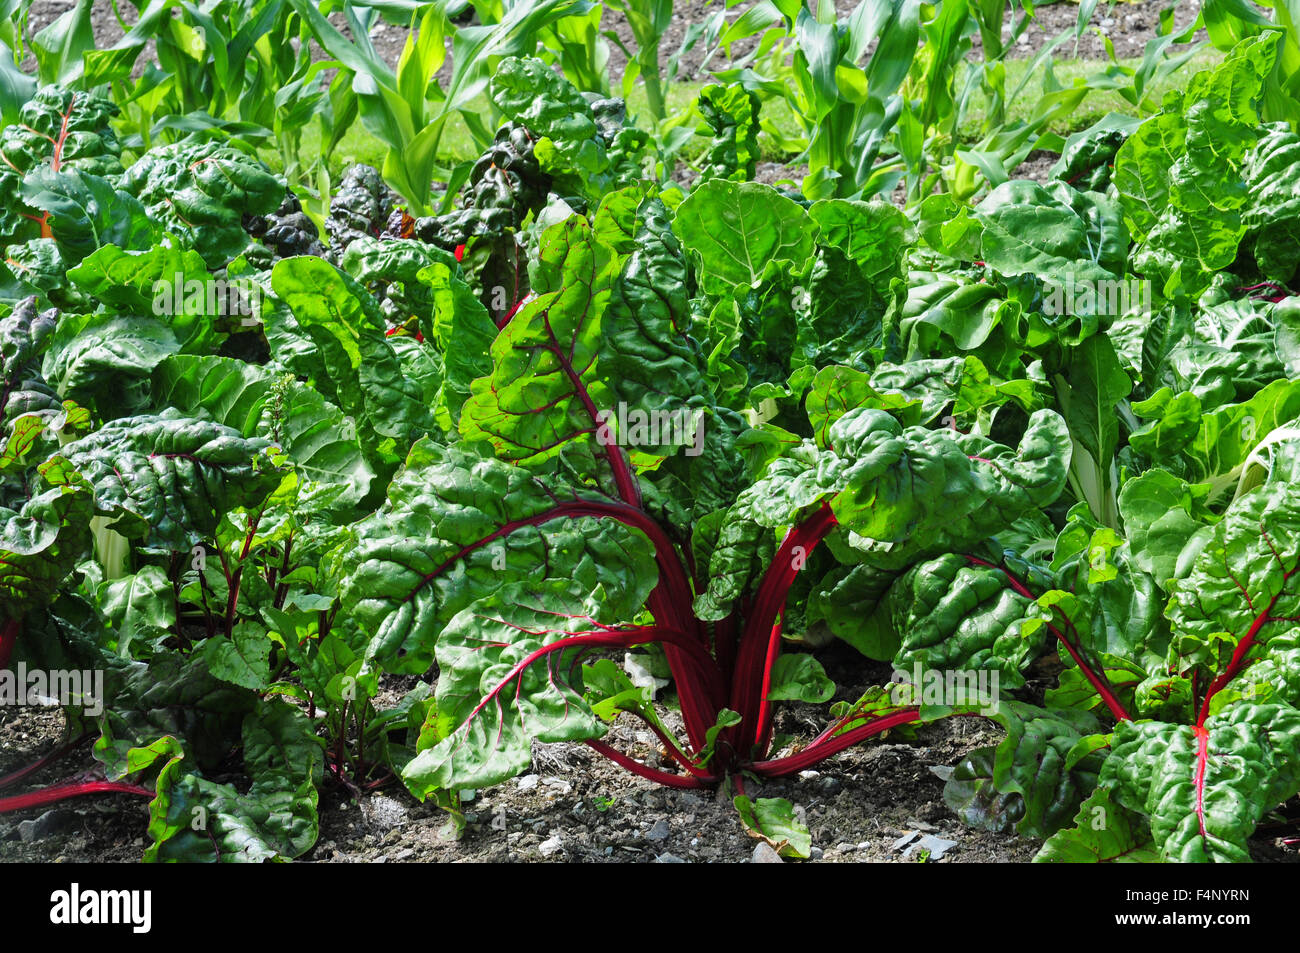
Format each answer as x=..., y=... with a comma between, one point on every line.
x=16, y=87
x=407, y=108
x=845, y=111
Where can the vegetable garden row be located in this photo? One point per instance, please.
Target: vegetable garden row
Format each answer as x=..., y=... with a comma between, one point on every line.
x=276, y=434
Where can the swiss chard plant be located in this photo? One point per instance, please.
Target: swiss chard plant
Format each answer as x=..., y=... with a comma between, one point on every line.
x=605, y=494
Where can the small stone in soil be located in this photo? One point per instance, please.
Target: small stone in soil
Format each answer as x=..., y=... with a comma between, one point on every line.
x=904, y=840
x=764, y=854
x=549, y=846
x=659, y=831
x=51, y=822
x=528, y=782
x=937, y=846
x=816, y=853
x=921, y=826
x=668, y=859
x=558, y=786
x=809, y=775
x=844, y=848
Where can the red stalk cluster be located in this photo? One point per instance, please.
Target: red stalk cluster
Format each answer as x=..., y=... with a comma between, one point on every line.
x=735, y=674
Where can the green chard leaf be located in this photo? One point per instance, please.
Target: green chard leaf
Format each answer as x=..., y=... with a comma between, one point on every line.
x=1205, y=788
x=167, y=479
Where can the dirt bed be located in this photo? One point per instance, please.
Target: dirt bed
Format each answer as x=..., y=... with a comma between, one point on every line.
x=573, y=805
x=879, y=802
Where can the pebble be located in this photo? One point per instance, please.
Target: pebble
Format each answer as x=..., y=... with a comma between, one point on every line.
x=528, y=782
x=659, y=831
x=764, y=854
x=816, y=853
x=404, y=853
x=845, y=848
x=558, y=787
x=51, y=822
x=550, y=846
x=668, y=859
x=829, y=786
x=809, y=775
x=865, y=845
x=904, y=840
x=937, y=846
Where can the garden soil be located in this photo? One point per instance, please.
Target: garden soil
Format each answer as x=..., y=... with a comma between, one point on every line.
x=869, y=804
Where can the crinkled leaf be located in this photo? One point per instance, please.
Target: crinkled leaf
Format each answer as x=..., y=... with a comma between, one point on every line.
x=1104, y=833
x=168, y=479
x=320, y=442
x=1206, y=788
x=456, y=527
